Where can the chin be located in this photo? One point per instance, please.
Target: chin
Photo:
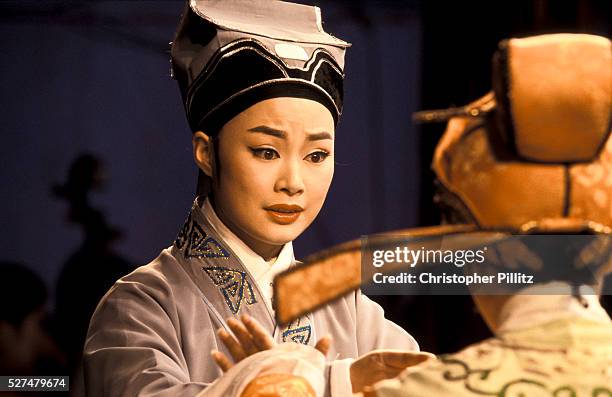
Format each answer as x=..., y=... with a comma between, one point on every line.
x=282, y=234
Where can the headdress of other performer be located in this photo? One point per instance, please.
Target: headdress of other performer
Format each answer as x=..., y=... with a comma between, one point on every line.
x=536, y=153
x=229, y=55
x=532, y=156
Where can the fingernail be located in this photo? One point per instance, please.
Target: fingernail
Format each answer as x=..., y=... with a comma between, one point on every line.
x=246, y=318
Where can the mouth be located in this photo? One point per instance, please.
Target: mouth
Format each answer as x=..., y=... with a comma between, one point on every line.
x=284, y=214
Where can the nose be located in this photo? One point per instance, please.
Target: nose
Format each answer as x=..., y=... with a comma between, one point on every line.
x=290, y=179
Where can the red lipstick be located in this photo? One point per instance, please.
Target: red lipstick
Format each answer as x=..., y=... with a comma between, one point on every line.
x=284, y=214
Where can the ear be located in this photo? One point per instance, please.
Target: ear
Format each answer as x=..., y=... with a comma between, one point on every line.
x=203, y=152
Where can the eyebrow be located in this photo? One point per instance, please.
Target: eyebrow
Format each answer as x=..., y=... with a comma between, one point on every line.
x=264, y=129
x=319, y=136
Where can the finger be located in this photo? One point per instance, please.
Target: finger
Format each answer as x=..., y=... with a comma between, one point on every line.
x=232, y=345
x=222, y=361
x=401, y=360
x=369, y=391
x=243, y=335
x=260, y=336
x=324, y=344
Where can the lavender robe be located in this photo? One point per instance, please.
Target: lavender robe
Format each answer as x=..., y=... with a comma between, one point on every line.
x=152, y=333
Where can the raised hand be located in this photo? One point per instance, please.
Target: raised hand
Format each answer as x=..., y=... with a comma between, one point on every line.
x=249, y=338
x=383, y=364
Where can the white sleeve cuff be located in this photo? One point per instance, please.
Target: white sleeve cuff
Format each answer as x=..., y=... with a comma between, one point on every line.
x=340, y=378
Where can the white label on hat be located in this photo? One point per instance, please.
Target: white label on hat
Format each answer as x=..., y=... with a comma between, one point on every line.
x=291, y=51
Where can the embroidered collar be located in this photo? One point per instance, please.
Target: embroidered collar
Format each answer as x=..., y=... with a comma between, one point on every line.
x=227, y=284
x=263, y=272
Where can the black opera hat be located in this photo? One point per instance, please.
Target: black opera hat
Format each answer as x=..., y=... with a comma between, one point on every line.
x=228, y=55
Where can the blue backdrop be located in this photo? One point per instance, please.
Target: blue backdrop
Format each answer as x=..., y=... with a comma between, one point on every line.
x=94, y=77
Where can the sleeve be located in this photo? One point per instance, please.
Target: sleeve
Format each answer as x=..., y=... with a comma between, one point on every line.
x=133, y=347
x=374, y=332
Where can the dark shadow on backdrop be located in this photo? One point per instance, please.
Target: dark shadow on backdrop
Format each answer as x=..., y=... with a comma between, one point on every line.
x=26, y=345
x=94, y=267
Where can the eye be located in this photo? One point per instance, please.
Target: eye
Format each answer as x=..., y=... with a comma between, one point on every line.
x=265, y=153
x=317, y=157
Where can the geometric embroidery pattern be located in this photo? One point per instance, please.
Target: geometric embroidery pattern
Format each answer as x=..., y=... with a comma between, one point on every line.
x=181, y=239
x=297, y=334
x=233, y=285
x=200, y=245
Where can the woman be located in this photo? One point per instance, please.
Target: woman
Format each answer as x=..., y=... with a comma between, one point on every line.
x=263, y=95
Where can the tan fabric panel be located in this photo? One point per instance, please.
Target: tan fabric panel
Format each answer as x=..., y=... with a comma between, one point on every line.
x=591, y=188
x=331, y=273
x=560, y=92
x=500, y=194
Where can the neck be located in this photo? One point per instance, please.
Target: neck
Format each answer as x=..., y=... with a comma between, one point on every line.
x=265, y=250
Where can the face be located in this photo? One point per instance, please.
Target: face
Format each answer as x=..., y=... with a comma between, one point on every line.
x=276, y=166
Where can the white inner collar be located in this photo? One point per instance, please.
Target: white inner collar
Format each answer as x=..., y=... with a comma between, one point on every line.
x=263, y=272
x=536, y=305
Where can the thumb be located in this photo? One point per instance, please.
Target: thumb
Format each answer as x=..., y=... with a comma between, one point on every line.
x=324, y=344
x=404, y=359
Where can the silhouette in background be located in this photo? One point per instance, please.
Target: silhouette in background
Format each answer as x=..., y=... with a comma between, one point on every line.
x=26, y=347
x=94, y=267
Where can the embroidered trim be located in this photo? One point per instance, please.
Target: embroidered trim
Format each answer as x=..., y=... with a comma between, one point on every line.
x=296, y=333
x=183, y=235
x=233, y=285
x=197, y=243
